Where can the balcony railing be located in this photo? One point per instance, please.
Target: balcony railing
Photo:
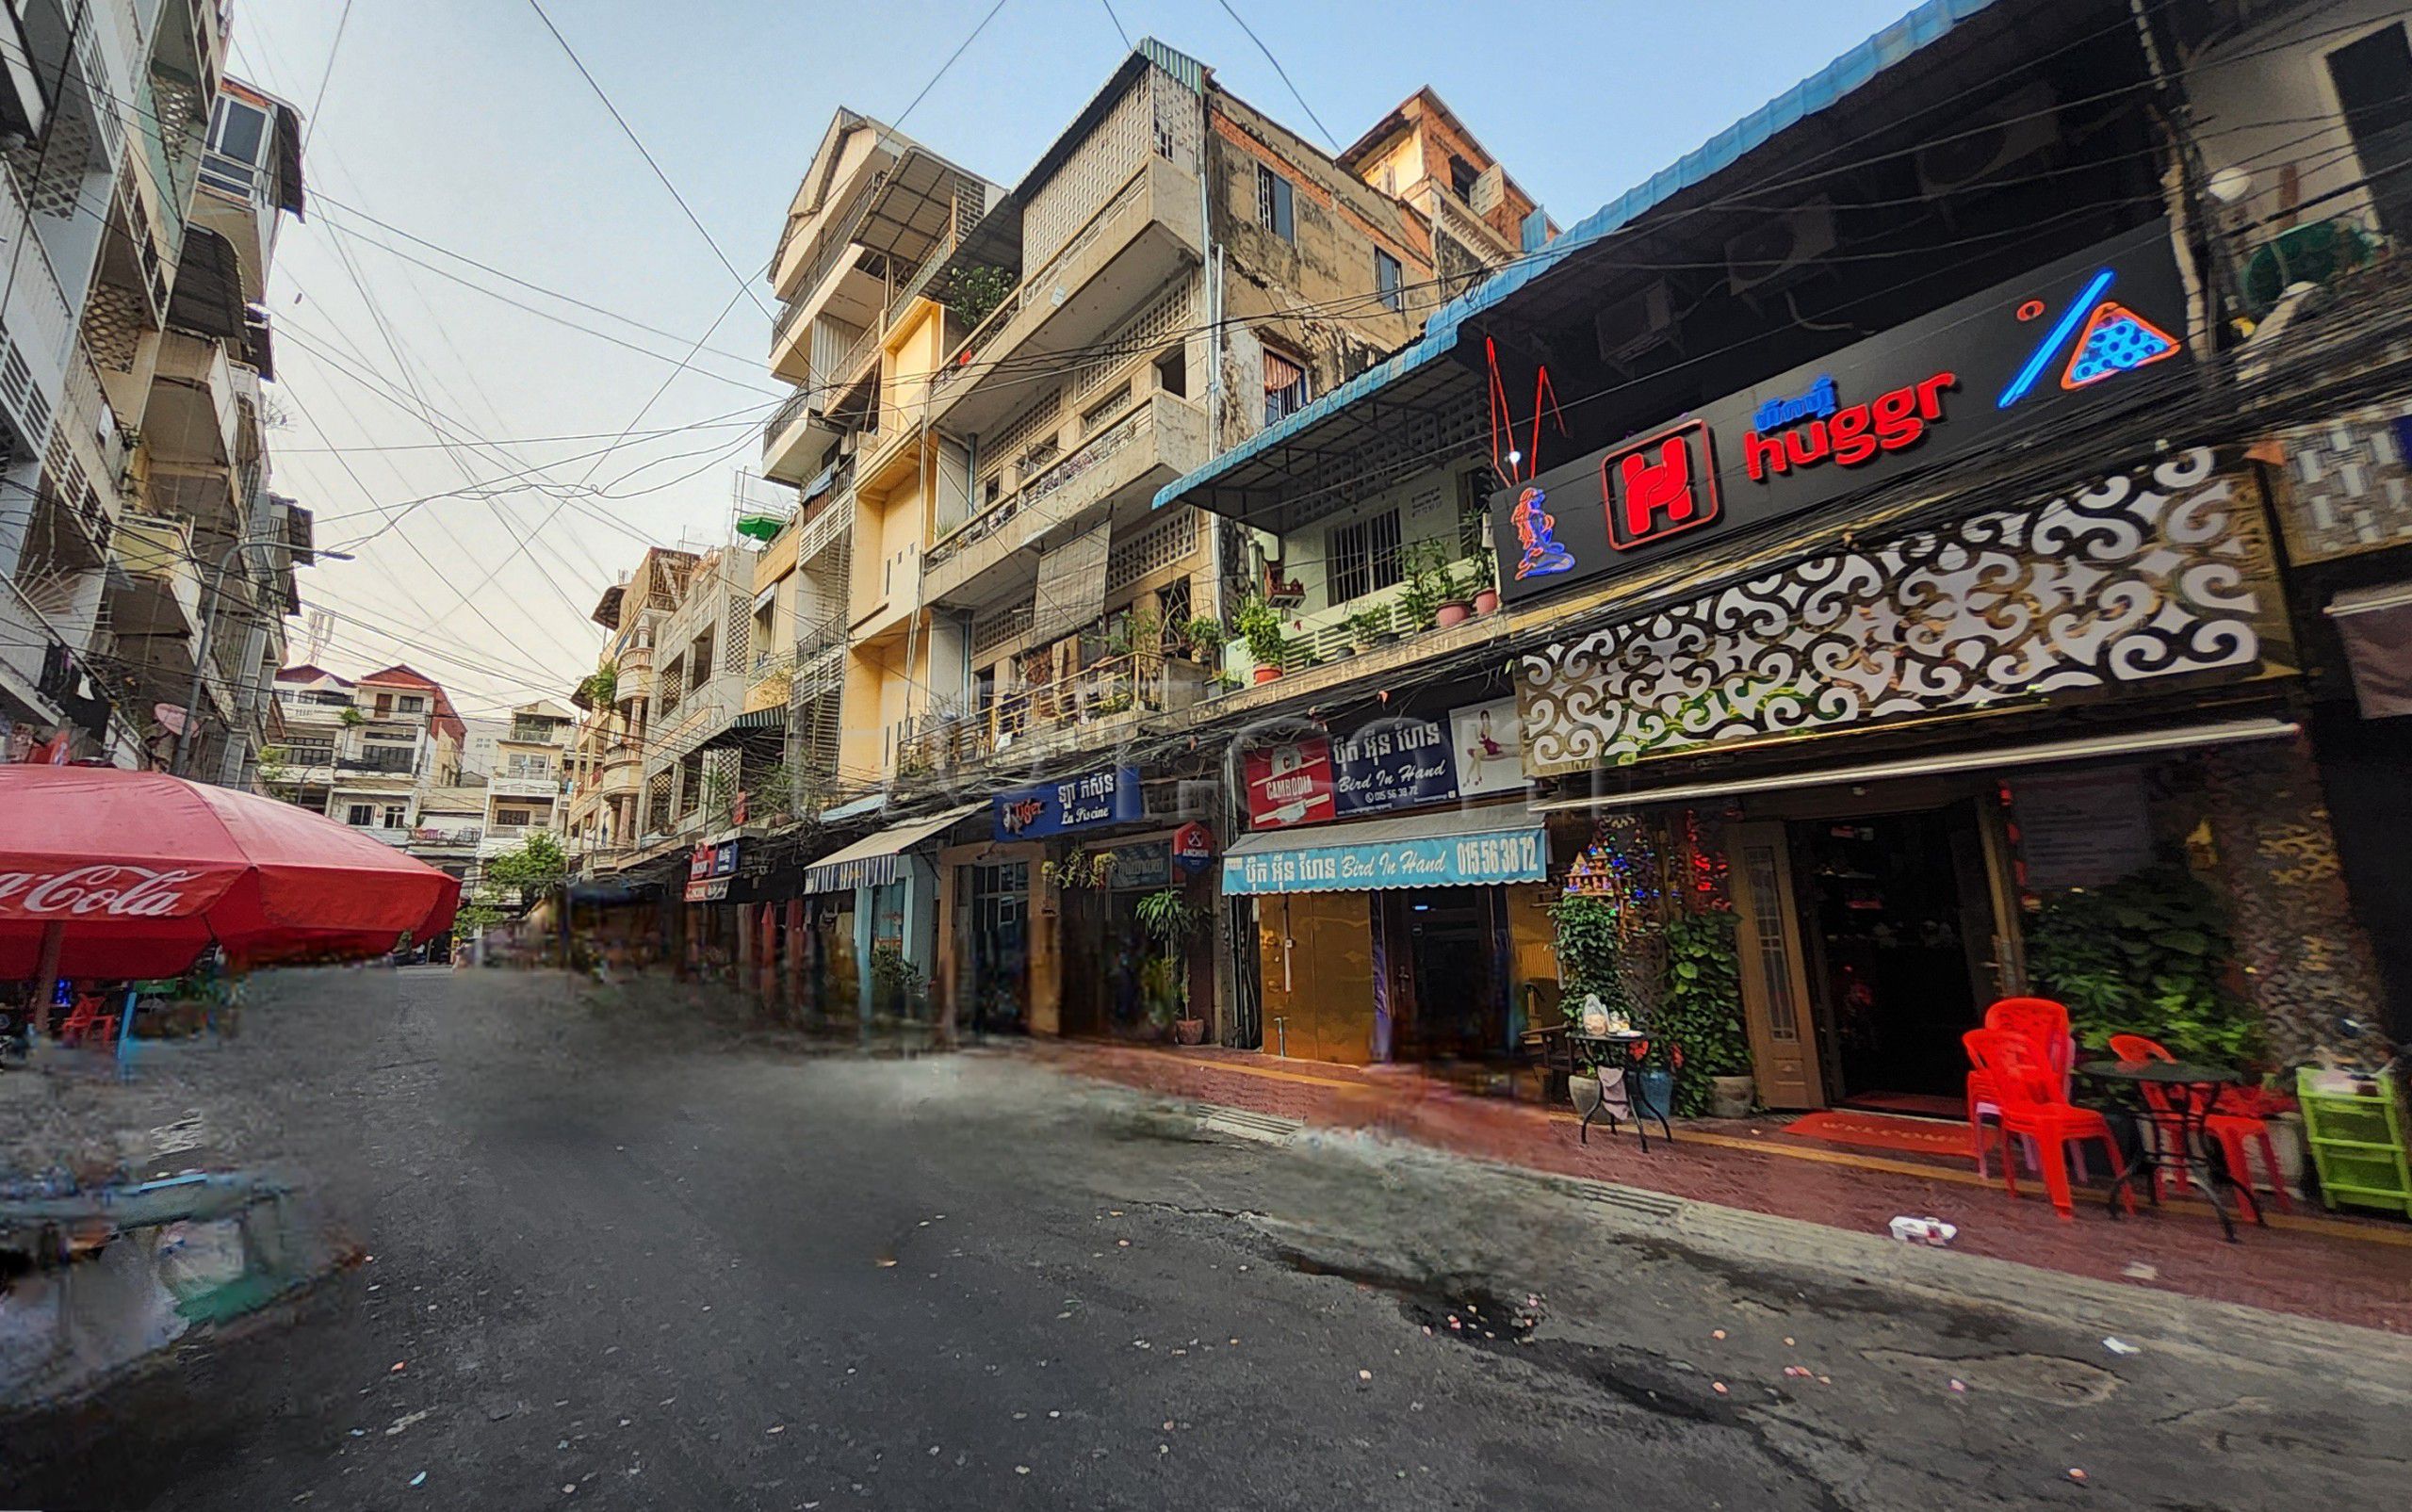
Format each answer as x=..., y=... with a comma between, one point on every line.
x=1160, y=434
x=1096, y=702
x=432, y=835
x=399, y=763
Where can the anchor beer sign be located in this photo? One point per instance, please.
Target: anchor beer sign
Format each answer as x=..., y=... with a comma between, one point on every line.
x=2091, y=332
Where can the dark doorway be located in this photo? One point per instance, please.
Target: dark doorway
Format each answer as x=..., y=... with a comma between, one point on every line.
x=1458, y=1013
x=1888, y=937
x=2373, y=80
x=998, y=926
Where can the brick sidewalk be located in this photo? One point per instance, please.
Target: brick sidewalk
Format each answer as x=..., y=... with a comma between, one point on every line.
x=2343, y=1270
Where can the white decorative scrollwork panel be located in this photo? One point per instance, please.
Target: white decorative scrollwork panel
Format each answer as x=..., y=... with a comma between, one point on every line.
x=2147, y=575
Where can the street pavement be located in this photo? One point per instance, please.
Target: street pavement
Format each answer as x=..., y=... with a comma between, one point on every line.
x=617, y=1252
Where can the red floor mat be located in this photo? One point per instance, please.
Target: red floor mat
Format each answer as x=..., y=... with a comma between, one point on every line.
x=1883, y=1130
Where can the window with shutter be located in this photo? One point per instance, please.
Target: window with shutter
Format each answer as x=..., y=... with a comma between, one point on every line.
x=1285, y=385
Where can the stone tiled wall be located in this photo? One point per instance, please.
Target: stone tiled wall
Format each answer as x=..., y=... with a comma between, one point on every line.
x=2305, y=962
x=2348, y=484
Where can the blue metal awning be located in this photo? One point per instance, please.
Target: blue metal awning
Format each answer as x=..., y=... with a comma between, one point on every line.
x=1435, y=848
x=1410, y=375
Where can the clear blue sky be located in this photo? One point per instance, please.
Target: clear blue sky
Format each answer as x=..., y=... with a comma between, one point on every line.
x=462, y=122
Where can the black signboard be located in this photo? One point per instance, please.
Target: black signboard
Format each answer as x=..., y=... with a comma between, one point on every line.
x=2104, y=329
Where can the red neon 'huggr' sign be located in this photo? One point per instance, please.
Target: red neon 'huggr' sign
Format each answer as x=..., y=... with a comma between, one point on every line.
x=1892, y=421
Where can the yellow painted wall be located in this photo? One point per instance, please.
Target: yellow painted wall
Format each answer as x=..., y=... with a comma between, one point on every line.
x=883, y=688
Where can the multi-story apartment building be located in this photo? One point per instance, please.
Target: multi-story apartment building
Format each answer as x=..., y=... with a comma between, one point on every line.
x=606, y=813
x=201, y=466
x=527, y=787
x=367, y=752
x=651, y=768
x=105, y=109
x=872, y=227
x=975, y=589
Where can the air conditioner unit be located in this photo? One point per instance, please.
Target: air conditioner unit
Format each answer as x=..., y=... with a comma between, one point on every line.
x=1780, y=247
x=1983, y=143
x=1636, y=323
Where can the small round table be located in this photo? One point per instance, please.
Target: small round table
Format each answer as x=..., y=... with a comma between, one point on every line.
x=1627, y=1050
x=2194, y=1092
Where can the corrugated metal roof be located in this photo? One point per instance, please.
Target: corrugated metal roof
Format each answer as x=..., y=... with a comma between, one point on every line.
x=1820, y=90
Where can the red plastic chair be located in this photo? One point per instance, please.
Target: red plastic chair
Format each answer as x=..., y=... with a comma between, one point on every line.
x=85, y=1021
x=2047, y=1023
x=2027, y=1095
x=2237, y=1132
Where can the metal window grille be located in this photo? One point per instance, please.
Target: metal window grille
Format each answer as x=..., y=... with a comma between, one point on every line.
x=1361, y=557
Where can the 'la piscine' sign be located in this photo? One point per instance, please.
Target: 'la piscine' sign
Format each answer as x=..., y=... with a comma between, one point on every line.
x=1469, y=859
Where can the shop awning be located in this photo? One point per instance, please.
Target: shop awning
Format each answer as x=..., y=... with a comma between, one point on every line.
x=2137, y=743
x=2376, y=627
x=873, y=861
x=764, y=730
x=1438, y=848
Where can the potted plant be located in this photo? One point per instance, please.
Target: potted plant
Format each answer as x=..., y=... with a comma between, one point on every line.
x=1427, y=585
x=1368, y=626
x=1700, y=1010
x=1171, y=921
x=1206, y=636
x=1260, y=626
x=1485, y=580
x=1453, y=589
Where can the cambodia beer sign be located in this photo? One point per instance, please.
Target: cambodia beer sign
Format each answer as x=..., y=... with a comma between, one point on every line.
x=2097, y=330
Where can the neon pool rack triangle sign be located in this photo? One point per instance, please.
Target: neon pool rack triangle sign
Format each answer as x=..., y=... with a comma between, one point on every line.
x=2114, y=340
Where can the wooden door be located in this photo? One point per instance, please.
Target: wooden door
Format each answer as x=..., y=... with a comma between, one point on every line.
x=1775, y=982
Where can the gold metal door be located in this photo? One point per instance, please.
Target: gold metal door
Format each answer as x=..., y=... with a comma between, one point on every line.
x=1315, y=956
x=1775, y=982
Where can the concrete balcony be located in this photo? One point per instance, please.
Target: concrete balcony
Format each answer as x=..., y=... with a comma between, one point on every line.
x=623, y=770
x=1146, y=235
x=1114, y=474
x=156, y=590
x=501, y=786
x=1099, y=709
x=499, y=839
x=438, y=839
x=192, y=417
x=633, y=674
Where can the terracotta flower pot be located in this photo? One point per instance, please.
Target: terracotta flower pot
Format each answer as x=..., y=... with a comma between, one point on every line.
x=1267, y=673
x=1189, y=1030
x=1486, y=600
x=1451, y=613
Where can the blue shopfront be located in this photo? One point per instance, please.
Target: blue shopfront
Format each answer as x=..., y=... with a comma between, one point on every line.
x=1398, y=883
x=874, y=907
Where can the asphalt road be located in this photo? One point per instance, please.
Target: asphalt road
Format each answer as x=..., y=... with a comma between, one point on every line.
x=625, y=1259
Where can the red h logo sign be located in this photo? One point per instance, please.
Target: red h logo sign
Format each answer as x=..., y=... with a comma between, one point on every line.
x=1658, y=486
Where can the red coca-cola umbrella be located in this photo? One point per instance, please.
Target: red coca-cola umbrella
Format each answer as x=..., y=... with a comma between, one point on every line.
x=139, y=872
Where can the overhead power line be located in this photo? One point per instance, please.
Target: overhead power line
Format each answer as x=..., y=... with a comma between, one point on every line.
x=1284, y=72
x=743, y=283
